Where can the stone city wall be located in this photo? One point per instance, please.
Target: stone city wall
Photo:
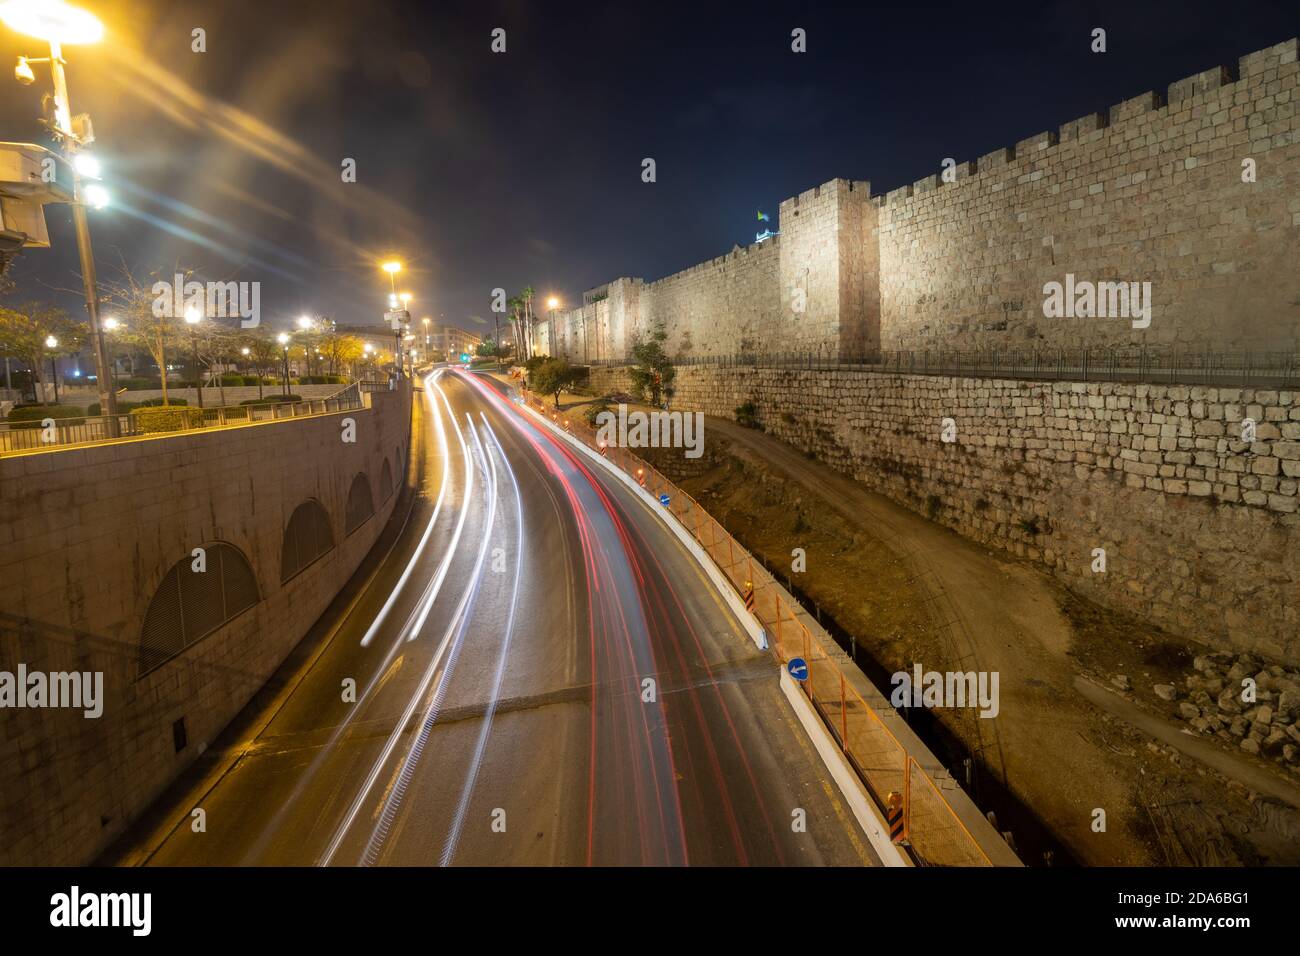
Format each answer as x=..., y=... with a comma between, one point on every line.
x=87, y=536
x=1201, y=530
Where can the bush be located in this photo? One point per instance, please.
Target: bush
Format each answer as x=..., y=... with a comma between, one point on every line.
x=125, y=407
x=93, y=409
x=593, y=410
x=153, y=402
x=272, y=400
x=139, y=384
x=321, y=380
x=747, y=415
x=167, y=418
x=31, y=416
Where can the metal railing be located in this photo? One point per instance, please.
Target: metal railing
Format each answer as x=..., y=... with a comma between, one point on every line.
x=1278, y=368
x=936, y=833
x=33, y=436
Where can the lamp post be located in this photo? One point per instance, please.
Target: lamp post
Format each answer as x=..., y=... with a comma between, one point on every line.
x=58, y=23
x=552, y=303
x=192, y=318
x=283, y=339
x=306, y=324
x=52, y=343
x=110, y=325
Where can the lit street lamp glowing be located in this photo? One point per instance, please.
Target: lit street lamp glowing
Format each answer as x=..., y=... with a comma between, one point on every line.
x=52, y=21
x=87, y=164
x=96, y=195
x=51, y=342
x=193, y=316
x=111, y=324
x=304, y=322
x=283, y=339
x=392, y=267
x=552, y=303
x=57, y=23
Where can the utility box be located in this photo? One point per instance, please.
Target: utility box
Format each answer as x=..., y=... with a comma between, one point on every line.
x=30, y=177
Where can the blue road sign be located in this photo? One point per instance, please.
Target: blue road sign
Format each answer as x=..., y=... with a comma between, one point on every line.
x=798, y=668
x=664, y=499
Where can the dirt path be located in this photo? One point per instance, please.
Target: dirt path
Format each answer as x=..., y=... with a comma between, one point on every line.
x=1046, y=743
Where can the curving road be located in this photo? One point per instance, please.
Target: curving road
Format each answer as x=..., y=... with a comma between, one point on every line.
x=543, y=676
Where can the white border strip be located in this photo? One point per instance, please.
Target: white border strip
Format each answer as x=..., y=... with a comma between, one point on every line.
x=846, y=778
x=864, y=809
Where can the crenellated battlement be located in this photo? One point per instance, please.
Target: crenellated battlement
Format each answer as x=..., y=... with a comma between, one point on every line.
x=1151, y=189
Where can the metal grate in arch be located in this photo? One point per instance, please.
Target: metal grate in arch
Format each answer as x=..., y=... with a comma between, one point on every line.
x=190, y=604
x=306, y=539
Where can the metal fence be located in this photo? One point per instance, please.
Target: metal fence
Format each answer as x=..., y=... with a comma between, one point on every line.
x=1181, y=366
x=936, y=833
x=34, y=436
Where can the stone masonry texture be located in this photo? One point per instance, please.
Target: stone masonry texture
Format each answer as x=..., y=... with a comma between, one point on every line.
x=1201, y=531
x=1150, y=191
x=87, y=534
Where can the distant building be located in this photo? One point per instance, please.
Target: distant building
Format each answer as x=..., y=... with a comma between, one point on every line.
x=449, y=340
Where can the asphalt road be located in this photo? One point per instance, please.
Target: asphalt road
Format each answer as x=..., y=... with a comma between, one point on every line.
x=544, y=676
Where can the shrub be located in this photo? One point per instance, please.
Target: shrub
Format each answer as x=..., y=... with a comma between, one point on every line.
x=320, y=380
x=593, y=410
x=93, y=408
x=31, y=416
x=747, y=415
x=167, y=418
x=139, y=384
x=272, y=400
x=153, y=402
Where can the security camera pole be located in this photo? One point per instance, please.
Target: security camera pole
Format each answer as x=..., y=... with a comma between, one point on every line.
x=56, y=24
x=63, y=113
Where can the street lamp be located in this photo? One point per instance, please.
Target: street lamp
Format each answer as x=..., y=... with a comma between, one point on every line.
x=283, y=339
x=392, y=268
x=110, y=325
x=192, y=318
x=57, y=23
x=51, y=343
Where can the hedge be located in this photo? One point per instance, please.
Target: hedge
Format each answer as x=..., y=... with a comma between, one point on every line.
x=272, y=400
x=124, y=407
x=166, y=418
x=31, y=416
x=321, y=380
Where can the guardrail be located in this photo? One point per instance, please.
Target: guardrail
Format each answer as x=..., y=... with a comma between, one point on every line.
x=33, y=436
x=1261, y=369
x=936, y=833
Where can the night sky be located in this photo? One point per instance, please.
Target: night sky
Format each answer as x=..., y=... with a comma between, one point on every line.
x=482, y=170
